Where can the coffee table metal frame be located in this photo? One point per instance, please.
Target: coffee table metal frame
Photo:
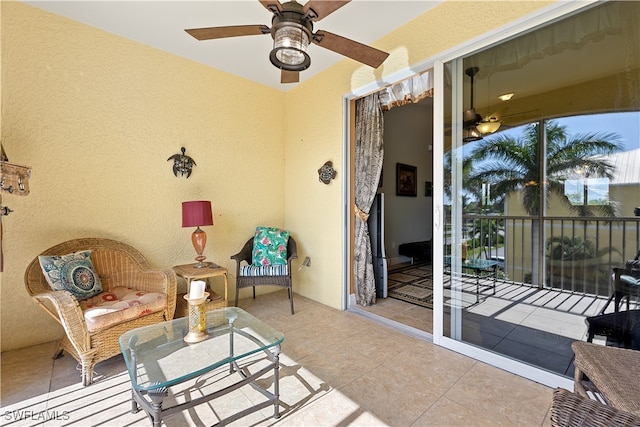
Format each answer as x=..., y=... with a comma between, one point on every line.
x=141, y=345
x=478, y=266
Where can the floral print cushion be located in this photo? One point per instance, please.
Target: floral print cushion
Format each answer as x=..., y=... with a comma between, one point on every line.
x=270, y=246
x=118, y=305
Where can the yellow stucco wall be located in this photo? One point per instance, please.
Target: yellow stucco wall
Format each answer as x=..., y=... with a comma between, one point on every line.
x=96, y=116
x=314, y=123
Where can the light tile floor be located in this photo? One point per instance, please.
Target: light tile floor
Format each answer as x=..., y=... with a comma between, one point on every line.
x=529, y=324
x=338, y=368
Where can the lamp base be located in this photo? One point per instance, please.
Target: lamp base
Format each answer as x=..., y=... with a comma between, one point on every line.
x=201, y=264
x=199, y=240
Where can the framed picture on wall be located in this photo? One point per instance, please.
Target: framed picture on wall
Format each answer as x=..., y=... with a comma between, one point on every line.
x=406, y=180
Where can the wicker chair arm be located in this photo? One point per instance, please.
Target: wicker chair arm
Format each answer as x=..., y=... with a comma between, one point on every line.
x=570, y=409
x=68, y=314
x=245, y=253
x=292, y=249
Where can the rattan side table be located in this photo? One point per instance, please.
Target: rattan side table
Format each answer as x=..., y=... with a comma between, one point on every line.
x=190, y=273
x=611, y=372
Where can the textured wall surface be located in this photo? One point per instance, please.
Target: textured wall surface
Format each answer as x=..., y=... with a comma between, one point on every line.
x=96, y=117
x=315, y=119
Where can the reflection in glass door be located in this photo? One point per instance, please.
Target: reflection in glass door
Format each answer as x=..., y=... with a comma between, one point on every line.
x=536, y=165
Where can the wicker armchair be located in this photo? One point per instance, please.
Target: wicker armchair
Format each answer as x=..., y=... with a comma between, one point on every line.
x=115, y=263
x=252, y=281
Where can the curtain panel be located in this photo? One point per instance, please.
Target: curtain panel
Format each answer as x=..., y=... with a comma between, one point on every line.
x=368, y=167
x=369, y=154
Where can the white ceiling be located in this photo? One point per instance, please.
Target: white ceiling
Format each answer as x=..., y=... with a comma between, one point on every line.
x=161, y=24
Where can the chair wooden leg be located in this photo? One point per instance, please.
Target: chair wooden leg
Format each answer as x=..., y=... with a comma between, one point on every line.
x=254, y=292
x=237, y=294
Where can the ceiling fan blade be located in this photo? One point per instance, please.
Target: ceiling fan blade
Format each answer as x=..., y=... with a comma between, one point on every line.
x=289, y=76
x=315, y=10
x=232, y=31
x=352, y=49
x=272, y=6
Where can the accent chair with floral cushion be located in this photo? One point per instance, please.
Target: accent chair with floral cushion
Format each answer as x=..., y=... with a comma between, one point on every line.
x=97, y=289
x=265, y=259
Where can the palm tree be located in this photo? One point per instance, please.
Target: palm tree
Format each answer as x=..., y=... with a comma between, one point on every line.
x=469, y=192
x=515, y=164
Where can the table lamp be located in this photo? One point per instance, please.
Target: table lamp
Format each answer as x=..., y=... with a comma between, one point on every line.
x=197, y=213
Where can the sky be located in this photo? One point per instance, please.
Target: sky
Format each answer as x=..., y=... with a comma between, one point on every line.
x=626, y=124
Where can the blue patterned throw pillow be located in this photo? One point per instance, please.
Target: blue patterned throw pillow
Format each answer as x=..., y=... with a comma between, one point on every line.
x=270, y=246
x=73, y=272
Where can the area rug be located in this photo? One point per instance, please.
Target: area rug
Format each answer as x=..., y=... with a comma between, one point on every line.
x=412, y=283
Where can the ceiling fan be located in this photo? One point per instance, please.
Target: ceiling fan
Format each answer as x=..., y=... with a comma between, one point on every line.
x=474, y=126
x=292, y=30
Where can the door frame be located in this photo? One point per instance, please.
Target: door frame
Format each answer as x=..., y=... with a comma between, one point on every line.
x=553, y=12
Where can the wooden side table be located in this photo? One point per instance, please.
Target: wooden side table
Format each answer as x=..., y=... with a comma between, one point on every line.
x=190, y=273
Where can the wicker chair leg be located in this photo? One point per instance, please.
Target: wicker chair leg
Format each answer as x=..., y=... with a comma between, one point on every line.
x=59, y=353
x=87, y=370
x=291, y=299
x=578, y=386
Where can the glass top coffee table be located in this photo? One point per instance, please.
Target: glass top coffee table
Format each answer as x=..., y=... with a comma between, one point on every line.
x=157, y=358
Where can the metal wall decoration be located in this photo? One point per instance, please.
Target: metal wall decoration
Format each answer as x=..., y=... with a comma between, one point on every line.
x=182, y=164
x=14, y=179
x=327, y=172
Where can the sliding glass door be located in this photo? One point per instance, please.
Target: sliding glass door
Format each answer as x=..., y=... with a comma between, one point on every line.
x=541, y=183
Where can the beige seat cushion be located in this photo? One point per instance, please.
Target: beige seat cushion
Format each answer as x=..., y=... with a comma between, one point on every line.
x=118, y=305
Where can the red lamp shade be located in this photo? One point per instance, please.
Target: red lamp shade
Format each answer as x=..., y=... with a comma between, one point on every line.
x=196, y=213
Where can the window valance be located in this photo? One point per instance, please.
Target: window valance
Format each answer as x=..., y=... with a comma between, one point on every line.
x=408, y=91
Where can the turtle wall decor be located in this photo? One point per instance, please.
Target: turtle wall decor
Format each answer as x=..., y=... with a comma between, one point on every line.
x=182, y=164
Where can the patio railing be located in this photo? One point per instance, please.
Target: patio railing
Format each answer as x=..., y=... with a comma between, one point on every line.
x=579, y=252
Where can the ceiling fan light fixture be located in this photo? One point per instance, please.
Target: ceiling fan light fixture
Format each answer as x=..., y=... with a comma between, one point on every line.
x=506, y=96
x=488, y=125
x=290, y=42
x=470, y=134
